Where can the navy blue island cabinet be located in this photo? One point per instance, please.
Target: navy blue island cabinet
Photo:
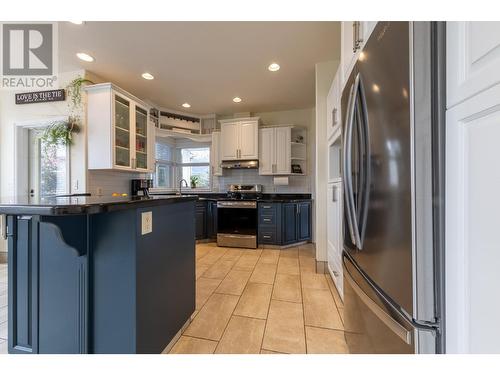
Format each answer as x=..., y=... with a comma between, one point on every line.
x=91, y=275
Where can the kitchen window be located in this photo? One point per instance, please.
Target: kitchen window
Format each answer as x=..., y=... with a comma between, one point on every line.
x=181, y=160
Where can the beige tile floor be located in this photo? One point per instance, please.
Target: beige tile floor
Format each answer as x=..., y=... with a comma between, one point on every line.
x=252, y=301
x=263, y=301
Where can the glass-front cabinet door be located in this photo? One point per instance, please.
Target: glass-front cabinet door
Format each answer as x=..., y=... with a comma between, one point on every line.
x=141, y=138
x=122, y=131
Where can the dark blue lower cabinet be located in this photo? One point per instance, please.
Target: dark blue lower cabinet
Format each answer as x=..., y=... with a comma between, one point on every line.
x=284, y=223
x=289, y=223
x=211, y=220
x=201, y=220
x=304, y=221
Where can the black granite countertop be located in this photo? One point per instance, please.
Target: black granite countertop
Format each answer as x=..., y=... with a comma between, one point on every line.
x=266, y=197
x=82, y=205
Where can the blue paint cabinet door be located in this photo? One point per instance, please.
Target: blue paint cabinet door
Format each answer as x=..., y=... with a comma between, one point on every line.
x=304, y=221
x=201, y=220
x=212, y=220
x=289, y=223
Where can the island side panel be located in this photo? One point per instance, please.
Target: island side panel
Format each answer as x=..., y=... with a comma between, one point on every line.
x=62, y=285
x=113, y=282
x=165, y=274
x=47, y=284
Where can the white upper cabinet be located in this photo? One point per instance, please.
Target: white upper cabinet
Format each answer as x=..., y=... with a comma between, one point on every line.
x=354, y=35
x=476, y=46
x=119, y=132
x=282, y=161
x=230, y=141
x=267, y=151
x=349, y=48
x=275, y=151
x=333, y=111
x=240, y=139
x=215, y=154
x=249, y=140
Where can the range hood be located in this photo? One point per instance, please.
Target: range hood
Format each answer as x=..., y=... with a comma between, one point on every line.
x=240, y=164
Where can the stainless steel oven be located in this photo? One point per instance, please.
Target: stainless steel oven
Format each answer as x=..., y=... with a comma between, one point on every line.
x=237, y=223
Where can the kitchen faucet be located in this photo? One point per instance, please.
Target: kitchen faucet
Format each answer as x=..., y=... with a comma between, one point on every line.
x=180, y=186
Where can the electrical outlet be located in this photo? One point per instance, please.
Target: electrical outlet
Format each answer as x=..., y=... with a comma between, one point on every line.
x=146, y=222
x=98, y=191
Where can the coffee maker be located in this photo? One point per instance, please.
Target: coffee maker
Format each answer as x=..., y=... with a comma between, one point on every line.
x=141, y=186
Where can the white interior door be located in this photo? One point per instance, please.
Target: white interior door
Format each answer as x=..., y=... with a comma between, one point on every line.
x=472, y=241
x=283, y=147
x=249, y=140
x=48, y=167
x=229, y=141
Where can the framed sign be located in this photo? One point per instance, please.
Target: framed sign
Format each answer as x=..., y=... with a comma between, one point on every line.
x=41, y=96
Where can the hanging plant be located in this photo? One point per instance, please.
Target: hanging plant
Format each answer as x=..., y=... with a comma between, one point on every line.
x=74, y=92
x=60, y=132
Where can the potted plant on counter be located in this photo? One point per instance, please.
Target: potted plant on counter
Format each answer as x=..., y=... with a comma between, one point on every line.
x=194, y=181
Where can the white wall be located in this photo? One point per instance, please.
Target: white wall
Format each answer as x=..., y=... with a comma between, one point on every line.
x=325, y=73
x=10, y=114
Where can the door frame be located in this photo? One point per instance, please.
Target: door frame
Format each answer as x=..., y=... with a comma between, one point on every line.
x=21, y=152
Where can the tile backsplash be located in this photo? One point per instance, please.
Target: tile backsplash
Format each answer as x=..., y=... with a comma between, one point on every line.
x=110, y=182
x=297, y=184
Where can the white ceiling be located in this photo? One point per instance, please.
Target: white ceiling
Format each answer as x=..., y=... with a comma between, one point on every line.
x=206, y=63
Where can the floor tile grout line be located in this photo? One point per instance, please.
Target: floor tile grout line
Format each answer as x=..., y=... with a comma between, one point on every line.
x=329, y=329
x=270, y=300
x=197, y=337
x=303, y=309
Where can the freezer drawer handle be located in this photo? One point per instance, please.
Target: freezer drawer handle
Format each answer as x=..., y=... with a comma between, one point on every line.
x=393, y=325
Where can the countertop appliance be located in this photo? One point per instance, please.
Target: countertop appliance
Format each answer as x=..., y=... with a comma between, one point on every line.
x=140, y=187
x=237, y=217
x=393, y=175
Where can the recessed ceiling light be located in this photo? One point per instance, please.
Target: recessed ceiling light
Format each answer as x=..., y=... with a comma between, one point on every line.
x=186, y=105
x=85, y=57
x=236, y=100
x=77, y=22
x=375, y=88
x=362, y=56
x=274, y=67
x=147, y=76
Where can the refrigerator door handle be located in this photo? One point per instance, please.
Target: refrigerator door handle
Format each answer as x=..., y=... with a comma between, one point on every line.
x=349, y=194
x=349, y=199
x=367, y=162
x=403, y=333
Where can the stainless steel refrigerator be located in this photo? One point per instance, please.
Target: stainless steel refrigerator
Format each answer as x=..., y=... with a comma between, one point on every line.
x=393, y=170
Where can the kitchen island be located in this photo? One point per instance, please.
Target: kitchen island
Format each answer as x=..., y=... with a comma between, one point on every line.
x=99, y=275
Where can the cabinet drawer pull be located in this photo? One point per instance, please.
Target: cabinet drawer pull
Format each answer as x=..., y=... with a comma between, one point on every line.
x=266, y=207
x=267, y=237
x=267, y=220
